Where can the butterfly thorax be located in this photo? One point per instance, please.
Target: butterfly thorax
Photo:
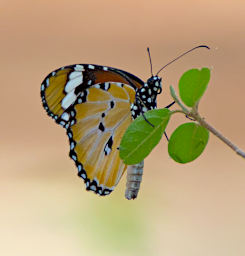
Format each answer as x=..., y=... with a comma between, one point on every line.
x=146, y=96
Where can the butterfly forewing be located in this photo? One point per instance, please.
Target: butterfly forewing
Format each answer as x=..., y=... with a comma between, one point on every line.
x=93, y=104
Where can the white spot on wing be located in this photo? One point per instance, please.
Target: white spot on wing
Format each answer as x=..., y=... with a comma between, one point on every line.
x=65, y=116
x=91, y=66
x=74, y=74
x=105, y=68
x=79, y=68
x=42, y=87
x=107, y=84
x=73, y=83
x=68, y=100
x=84, y=176
x=72, y=145
x=93, y=188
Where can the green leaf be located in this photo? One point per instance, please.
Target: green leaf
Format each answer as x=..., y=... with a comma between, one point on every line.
x=140, y=137
x=192, y=85
x=187, y=142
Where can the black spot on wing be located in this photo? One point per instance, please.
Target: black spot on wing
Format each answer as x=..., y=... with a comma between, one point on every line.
x=101, y=127
x=112, y=104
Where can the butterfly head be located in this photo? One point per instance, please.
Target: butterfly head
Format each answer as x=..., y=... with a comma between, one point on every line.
x=146, y=96
x=155, y=83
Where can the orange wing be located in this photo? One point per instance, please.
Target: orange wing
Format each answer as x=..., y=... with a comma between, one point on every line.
x=93, y=104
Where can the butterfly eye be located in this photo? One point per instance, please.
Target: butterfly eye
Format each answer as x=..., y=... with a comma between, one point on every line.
x=159, y=90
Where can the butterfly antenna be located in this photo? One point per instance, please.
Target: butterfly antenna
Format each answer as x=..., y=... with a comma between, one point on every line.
x=200, y=46
x=149, y=54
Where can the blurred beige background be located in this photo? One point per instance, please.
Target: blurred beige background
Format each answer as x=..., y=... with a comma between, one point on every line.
x=182, y=210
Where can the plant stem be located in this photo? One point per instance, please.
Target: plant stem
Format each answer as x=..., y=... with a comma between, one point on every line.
x=203, y=123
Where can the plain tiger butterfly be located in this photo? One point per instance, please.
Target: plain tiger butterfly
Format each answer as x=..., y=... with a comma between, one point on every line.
x=96, y=104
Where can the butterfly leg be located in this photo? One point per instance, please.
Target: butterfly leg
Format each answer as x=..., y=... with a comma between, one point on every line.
x=141, y=110
x=170, y=105
x=189, y=118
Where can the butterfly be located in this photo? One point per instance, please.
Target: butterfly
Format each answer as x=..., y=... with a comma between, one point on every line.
x=96, y=104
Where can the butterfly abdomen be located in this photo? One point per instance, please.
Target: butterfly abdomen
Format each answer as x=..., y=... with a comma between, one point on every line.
x=134, y=177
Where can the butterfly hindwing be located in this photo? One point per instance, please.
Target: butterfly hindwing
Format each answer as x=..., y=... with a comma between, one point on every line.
x=93, y=104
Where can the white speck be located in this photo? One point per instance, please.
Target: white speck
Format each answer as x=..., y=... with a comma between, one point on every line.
x=155, y=88
x=72, y=146
x=70, y=135
x=97, y=86
x=149, y=100
x=107, y=192
x=81, y=94
x=79, y=101
x=84, y=176
x=100, y=192
x=133, y=113
x=72, y=122
x=149, y=91
x=67, y=125
x=105, y=68
x=42, y=87
x=87, y=184
x=119, y=84
x=47, y=82
x=135, y=107
x=74, y=157
x=79, y=68
x=142, y=90
x=144, y=109
x=79, y=167
x=89, y=82
x=53, y=73
x=155, y=77
x=107, y=85
x=55, y=117
x=145, y=85
x=91, y=66
x=65, y=116
x=62, y=68
x=72, y=84
x=68, y=100
x=72, y=113
x=143, y=96
x=93, y=188
x=156, y=83
x=62, y=123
